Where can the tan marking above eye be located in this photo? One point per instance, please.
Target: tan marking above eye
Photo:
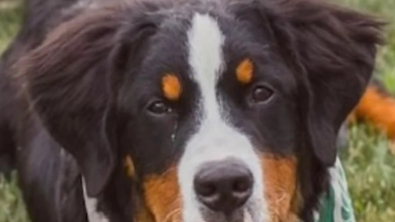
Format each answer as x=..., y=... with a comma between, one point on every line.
x=280, y=178
x=171, y=87
x=162, y=196
x=129, y=165
x=244, y=71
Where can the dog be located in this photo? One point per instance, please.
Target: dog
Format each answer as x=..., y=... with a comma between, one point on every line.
x=172, y=110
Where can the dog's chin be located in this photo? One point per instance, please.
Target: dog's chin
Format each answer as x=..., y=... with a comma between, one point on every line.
x=240, y=215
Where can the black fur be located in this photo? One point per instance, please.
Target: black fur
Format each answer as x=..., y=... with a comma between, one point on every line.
x=88, y=75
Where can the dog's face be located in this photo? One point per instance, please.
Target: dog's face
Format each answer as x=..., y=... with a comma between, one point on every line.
x=222, y=111
x=213, y=104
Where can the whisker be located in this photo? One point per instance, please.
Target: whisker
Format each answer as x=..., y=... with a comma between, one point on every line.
x=171, y=214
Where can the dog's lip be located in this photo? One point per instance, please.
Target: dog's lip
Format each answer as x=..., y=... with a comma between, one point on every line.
x=241, y=215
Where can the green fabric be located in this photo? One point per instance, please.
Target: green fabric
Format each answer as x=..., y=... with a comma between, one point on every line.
x=336, y=203
x=327, y=207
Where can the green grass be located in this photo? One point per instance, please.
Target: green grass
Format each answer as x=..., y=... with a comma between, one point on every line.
x=11, y=204
x=371, y=175
x=10, y=19
x=369, y=165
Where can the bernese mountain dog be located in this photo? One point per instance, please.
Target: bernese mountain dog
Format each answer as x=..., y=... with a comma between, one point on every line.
x=181, y=110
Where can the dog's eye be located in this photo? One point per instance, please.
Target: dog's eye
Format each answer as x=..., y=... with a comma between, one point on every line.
x=261, y=94
x=159, y=107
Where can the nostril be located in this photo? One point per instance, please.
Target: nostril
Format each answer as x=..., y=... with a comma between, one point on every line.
x=206, y=189
x=242, y=185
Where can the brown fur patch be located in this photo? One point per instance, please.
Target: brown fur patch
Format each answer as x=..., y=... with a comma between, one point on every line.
x=378, y=109
x=162, y=196
x=244, y=71
x=171, y=87
x=143, y=216
x=280, y=179
x=129, y=165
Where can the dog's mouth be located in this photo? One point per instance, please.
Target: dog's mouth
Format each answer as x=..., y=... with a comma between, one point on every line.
x=237, y=216
x=244, y=214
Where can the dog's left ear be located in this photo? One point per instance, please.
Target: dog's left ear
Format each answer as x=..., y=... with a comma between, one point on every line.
x=333, y=53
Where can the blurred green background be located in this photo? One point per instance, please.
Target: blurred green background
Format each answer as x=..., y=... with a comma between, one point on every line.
x=369, y=164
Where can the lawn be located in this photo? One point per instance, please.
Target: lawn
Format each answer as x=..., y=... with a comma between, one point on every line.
x=369, y=165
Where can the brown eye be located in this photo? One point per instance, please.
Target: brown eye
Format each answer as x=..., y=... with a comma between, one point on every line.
x=159, y=107
x=261, y=94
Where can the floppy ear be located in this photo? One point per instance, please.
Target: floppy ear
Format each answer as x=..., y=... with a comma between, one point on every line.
x=336, y=47
x=72, y=83
x=332, y=50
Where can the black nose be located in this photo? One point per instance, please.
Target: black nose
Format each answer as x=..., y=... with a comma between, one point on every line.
x=223, y=186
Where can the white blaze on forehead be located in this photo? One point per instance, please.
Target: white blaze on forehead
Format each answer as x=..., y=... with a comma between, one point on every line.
x=205, y=58
x=214, y=139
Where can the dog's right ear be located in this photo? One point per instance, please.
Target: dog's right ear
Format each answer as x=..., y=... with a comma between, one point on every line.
x=71, y=80
x=332, y=51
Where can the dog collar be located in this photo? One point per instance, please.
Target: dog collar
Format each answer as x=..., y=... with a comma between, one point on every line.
x=336, y=203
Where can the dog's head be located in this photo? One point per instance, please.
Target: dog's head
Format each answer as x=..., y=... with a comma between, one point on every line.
x=221, y=111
